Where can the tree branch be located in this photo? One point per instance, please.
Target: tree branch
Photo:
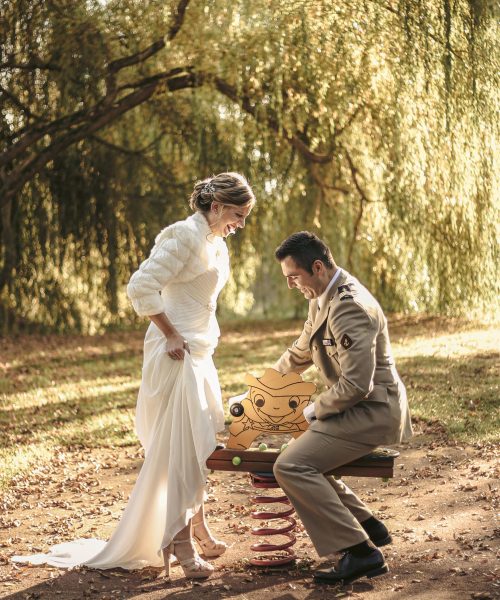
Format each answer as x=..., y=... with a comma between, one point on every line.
x=175, y=79
x=355, y=233
x=155, y=47
x=326, y=186
x=245, y=102
x=127, y=151
x=156, y=78
x=37, y=132
x=354, y=173
x=34, y=135
x=87, y=124
x=363, y=200
x=140, y=57
x=127, y=61
x=177, y=19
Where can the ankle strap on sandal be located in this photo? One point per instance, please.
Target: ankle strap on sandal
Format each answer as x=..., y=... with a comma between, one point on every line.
x=181, y=540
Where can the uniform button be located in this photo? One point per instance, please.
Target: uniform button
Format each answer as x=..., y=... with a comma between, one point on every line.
x=315, y=347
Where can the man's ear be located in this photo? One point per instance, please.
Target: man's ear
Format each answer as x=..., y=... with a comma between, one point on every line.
x=317, y=267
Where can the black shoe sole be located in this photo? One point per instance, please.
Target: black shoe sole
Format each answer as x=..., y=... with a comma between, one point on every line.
x=370, y=574
x=383, y=542
x=383, y=570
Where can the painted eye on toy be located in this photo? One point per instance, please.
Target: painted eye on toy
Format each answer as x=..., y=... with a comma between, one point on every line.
x=293, y=402
x=259, y=401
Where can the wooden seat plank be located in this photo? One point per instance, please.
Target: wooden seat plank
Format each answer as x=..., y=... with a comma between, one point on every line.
x=379, y=463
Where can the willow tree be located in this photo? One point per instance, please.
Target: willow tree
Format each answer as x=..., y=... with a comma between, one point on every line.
x=371, y=122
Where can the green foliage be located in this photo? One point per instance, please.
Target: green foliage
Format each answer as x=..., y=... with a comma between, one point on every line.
x=374, y=124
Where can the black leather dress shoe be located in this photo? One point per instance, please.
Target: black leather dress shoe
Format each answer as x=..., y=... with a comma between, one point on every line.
x=352, y=567
x=378, y=533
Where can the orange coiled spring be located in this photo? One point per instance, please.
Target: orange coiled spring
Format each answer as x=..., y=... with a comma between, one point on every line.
x=283, y=553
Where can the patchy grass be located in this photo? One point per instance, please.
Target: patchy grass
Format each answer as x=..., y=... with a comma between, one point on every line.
x=452, y=373
x=71, y=393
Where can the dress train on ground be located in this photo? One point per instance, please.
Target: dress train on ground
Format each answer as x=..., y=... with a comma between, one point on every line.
x=171, y=484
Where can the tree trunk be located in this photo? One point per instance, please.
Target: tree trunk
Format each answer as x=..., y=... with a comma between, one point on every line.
x=7, y=245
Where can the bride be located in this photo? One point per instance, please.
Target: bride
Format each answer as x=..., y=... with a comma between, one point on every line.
x=179, y=407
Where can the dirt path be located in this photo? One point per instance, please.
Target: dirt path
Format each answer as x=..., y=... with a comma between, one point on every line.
x=440, y=509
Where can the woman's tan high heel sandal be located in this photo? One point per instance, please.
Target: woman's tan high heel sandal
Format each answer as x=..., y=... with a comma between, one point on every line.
x=194, y=567
x=209, y=546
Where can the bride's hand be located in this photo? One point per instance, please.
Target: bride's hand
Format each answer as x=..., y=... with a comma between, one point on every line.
x=176, y=346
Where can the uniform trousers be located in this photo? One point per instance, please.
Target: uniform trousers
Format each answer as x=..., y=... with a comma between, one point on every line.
x=329, y=510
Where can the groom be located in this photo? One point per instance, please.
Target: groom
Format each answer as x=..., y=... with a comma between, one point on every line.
x=363, y=405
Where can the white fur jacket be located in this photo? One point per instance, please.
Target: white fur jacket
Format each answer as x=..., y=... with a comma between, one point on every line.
x=179, y=255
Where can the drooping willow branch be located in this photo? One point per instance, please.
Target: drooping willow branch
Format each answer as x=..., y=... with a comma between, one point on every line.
x=23, y=158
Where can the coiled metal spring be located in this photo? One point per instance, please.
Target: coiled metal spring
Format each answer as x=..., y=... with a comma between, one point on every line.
x=283, y=554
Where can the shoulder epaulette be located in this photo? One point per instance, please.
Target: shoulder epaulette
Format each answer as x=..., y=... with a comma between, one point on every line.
x=345, y=292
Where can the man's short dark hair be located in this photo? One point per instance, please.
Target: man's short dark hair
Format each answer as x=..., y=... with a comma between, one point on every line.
x=305, y=247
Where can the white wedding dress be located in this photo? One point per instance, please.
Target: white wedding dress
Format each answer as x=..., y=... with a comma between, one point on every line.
x=179, y=407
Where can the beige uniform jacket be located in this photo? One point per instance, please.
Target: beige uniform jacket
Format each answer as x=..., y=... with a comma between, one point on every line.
x=347, y=340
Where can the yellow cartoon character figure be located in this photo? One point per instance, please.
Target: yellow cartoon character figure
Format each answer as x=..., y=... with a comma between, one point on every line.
x=273, y=404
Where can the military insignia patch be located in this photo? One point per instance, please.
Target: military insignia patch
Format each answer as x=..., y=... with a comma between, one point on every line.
x=344, y=292
x=346, y=341
x=328, y=342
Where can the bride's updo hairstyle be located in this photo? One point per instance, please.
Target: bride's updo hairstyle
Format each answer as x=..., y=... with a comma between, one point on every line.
x=226, y=188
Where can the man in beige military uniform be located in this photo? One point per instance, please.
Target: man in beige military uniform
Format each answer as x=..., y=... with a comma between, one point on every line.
x=346, y=338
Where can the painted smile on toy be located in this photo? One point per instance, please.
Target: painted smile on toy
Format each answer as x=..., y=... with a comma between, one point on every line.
x=259, y=402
